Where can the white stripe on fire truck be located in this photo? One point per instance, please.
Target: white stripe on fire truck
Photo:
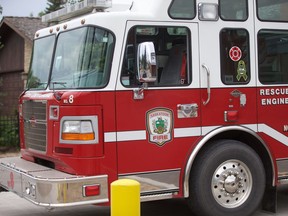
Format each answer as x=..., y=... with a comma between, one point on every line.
x=187, y=132
x=273, y=133
x=131, y=135
x=141, y=134
x=191, y=132
x=110, y=137
x=125, y=136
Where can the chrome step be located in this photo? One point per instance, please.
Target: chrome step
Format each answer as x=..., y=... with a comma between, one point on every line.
x=283, y=180
x=152, y=197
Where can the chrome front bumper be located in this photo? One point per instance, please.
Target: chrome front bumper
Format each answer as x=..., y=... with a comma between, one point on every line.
x=48, y=187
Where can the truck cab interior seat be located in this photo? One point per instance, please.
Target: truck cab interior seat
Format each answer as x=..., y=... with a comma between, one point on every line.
x=175, y=67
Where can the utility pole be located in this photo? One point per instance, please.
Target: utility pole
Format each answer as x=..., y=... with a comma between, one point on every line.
x=1, y=10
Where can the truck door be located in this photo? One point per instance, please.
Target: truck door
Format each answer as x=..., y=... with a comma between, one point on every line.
x=227, y=79
x=158, y=121
x=228, y=92
x=272, y=65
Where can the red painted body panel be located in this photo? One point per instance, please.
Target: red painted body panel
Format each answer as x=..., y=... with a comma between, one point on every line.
x=141, y=156
x=119, y=112
x=274, y=116
x=82, y=159
x=222, y=100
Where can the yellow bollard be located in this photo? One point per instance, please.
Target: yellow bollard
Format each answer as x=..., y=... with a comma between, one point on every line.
x=125, y=198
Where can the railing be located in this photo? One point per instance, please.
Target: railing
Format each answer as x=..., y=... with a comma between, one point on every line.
x=9, y=132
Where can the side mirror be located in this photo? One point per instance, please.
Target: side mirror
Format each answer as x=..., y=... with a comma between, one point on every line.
x=146, y=62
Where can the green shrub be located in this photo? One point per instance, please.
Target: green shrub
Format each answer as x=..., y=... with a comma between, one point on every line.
x=9, y=132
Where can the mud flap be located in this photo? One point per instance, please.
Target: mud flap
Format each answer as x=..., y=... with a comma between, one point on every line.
x=269, y=203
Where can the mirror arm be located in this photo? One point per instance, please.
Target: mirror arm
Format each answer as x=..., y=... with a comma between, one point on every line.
x=138, y=94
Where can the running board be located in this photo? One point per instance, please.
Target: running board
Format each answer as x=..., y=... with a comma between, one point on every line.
x=283, y=180
x=157, y=185
x=282, y=165
x=152, y=197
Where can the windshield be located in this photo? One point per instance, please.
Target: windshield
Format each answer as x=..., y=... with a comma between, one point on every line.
x=41, y=59
x=82, y=59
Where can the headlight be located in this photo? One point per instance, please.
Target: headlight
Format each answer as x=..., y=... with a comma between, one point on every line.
x=79, y=130
x=71, y=127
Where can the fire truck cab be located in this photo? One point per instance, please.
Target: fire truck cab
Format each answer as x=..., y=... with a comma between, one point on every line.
x=188, y=97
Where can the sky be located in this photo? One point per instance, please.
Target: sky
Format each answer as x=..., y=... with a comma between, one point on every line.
x=27, y=7
x=22, y=7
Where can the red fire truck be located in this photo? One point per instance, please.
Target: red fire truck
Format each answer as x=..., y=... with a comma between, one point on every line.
x=188, y=97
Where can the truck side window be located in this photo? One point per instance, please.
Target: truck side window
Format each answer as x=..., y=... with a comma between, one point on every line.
x=275, y=10
x=235, y=60
x=273, y=56
x=182, y=9
x=233, y=10
x=172, y=55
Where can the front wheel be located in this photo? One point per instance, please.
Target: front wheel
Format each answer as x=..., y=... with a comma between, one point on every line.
x=227, y=178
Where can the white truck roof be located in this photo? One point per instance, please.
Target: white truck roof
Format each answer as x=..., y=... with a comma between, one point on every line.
x=106, y=15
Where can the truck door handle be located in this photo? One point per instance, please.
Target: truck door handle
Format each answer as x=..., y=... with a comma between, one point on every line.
x=187, y=110
x=208, y=84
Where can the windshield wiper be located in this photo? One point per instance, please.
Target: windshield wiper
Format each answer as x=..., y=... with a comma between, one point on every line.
x=28, y=88
x=63, y=84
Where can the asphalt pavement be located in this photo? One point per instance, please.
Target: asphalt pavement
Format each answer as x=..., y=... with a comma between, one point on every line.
x=12, y=205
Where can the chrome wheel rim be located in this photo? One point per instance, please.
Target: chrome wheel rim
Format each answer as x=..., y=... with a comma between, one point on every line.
x=231, y=183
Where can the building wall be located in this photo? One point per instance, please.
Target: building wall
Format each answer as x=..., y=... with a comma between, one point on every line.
x=11, y=55
x=14, y=62
x=11, y=85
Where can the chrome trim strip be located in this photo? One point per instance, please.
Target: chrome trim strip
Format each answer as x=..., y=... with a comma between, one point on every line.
x=283, y=181
x=282, y=165
x=159, y=182
x=205, y=140
x=153, y=197
x=34, y=114
x=47, y=187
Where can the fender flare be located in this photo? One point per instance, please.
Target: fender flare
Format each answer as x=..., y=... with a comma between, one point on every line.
x=210, y=135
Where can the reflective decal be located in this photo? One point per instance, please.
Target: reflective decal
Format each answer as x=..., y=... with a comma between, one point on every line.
x=235, y=53
x=159, y=124
x=71, y=99
x=241, y=71
x=274, y=96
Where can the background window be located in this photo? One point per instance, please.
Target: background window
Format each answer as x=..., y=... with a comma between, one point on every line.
x=235, y=60
x=234, y=10
x=172, y=55
x=182, y=9
x=273, y=56
x=275, y=10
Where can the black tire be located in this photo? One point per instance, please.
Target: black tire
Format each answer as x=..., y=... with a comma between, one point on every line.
x=228, y=178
